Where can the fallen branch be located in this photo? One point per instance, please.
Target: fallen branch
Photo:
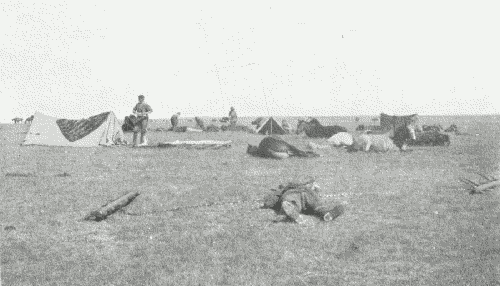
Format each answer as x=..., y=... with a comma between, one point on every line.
x=491, y=183
x=487, y=186
x=108, y=209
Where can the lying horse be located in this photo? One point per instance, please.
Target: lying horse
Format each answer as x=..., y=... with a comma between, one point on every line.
x=385, y=142
x=341, y=139
x=314, y=129
x=431, y=138
x=434, y=127
x=275, y=147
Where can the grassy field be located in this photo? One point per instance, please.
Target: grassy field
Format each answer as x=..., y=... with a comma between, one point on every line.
x=408, y=220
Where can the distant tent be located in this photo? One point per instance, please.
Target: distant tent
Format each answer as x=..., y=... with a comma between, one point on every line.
x=270, y=126
x=101, y=129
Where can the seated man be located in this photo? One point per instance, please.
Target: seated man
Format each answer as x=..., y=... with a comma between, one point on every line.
x=174, y=120
x=233, y=118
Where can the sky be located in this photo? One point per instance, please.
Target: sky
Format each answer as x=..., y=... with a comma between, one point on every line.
x=283, y=58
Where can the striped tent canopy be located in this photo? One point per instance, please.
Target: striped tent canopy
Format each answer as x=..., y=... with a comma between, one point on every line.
x=98, y=130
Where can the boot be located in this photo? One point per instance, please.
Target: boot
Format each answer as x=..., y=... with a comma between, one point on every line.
x=291, y=210
x=144, y=140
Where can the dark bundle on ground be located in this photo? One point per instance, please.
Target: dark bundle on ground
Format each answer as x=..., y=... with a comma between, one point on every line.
x=434, y=127
x=363, y=127
x=178, y=129
x=240, y=128
x=452, y=128
x=224, y=119
x=431, y=138
x=161, y=129
x=129, y=123
x=212, y=128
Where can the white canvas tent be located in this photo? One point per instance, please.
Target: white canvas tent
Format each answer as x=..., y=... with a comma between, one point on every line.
x=270, y=126
x=102, y=129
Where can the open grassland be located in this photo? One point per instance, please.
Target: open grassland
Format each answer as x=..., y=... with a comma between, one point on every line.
x=408, y=220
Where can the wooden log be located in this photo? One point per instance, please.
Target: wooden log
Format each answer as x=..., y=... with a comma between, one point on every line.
x=111, y=207
x=486, y=186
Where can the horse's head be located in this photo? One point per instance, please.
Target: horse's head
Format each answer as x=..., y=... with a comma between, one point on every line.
x=251, y=149
x=404, y=134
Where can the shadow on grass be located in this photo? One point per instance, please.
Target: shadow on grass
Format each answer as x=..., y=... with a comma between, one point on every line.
x=18, y=174
x=63, y=175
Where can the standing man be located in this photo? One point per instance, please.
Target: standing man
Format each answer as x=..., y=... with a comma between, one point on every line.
x=175, y=120
x=142, y=111
x=233, y=118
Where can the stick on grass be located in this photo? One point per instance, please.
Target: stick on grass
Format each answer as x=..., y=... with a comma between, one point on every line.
x=108, y=209
x=486, y=186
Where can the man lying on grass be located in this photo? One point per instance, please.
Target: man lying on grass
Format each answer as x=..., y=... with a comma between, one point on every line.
x=296, y=199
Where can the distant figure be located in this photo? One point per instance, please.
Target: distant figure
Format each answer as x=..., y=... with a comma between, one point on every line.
x=17, y=120
x=285, y=126
x=174, y=120
x=142, y=111
x=199, y=123
x=356, y=119
x=29, y=119
x=233, y=117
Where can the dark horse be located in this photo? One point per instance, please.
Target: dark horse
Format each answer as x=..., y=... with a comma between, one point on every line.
x=277, y=148
x=314, y=129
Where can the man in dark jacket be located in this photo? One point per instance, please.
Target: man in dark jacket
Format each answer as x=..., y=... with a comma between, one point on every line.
x=233, y=118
